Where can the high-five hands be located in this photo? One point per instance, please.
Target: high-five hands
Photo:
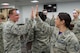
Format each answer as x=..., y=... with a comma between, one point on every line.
x=34, y=14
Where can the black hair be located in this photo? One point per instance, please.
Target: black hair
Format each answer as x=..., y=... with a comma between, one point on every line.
x=66, y=17
x=42, y=16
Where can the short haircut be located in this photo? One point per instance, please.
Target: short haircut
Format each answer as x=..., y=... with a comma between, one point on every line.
x=11, y=11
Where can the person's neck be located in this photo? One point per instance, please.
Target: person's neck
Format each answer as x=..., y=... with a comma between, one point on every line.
x=62, y=28
x=12, y=20
x=76, y=18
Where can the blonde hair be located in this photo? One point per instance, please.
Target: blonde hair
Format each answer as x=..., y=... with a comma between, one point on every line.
x=77, y=10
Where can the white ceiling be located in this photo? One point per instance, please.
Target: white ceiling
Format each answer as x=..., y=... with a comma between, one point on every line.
x=27, y=2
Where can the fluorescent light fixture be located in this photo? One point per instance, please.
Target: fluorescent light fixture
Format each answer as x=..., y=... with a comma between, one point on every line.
x=54, y=7
x=5, y=4
x=49, y=5
x=35, y=1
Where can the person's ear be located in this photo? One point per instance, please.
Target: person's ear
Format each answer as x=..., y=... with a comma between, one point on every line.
x=63, y=22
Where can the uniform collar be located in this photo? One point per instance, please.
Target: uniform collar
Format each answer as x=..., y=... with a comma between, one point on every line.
x=65, y=32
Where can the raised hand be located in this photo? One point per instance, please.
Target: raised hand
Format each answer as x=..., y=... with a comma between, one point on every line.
x=32, y=13
x=36, y=14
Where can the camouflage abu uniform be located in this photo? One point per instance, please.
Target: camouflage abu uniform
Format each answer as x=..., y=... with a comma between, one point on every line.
x=42, y=34
x=11, y=36
x=50, y=22
x=66, y=42
x=76, y=28
x=26, y=39
x=63, y=43
x=1, y=39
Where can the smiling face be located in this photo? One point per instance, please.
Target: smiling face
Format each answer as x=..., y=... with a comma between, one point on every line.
x=63, y=20
x=58, y=22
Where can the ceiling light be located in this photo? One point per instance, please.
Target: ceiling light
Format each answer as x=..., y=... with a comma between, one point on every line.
x=5, y=4
x=35, y=1
x=54, y=7
x=49, y=5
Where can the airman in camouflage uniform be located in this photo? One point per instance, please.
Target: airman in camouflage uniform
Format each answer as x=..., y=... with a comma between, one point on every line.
x=42, y=34
x=63, y=40
x=26, y=39
x=76, y=23
x=12, y=33
x=64, y=43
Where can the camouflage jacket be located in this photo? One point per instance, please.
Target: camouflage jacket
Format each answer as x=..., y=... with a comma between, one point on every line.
x=65, y=42
x=11, y=36
x=43, y=39
x=1, y=39
x=42, y=34
x=50, y=22
x=76, y=28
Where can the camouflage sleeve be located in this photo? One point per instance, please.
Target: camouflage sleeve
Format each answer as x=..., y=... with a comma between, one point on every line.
x=38, y=20
x=53, y=40
x=30, y=30
x=52, y=22
x=78, y=27
x=22, y=29
x=48, y=21
x=43, y=25
x=19, y=30
x=73, y=45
